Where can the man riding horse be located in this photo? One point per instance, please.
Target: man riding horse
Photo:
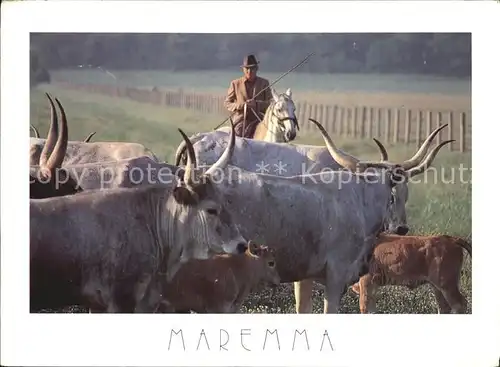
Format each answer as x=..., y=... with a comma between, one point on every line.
x=241, y=92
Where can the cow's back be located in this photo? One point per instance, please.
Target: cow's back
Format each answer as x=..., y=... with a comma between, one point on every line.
x=414, y=256
x=105, y=151
x=79, y=152
x=260, y=156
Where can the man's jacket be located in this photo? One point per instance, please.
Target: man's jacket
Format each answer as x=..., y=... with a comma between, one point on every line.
x=237, y=95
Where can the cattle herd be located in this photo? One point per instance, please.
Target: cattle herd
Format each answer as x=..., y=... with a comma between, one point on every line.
x=114, y=229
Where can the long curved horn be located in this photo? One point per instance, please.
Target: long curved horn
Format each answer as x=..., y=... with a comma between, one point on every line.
x=226, y=156
x=383, y=152
x=51, y=136
x=428, y=160
x=57, y=156
x=181, y=149
x=343, y=159
x=35, y=131
x=420, y=154
x=87, y=139
x=191, y=161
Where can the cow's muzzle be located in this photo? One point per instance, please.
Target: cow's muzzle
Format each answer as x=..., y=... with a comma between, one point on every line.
x=241, y=247
x=402, y=230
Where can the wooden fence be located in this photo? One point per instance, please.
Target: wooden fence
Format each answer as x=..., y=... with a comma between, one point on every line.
x=388, y=124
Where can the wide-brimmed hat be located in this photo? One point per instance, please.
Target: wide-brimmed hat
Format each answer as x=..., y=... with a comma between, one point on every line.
x=249, y=61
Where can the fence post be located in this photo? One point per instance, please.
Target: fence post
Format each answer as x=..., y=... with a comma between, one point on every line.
x=309, y=110
x=462, y=132
x=334, y=118
x=419, y=127
x=450, y=129
x=362, y=129
x=319, y=114
x=429, y=122
x=179, y=98
x=407, y=125
x=326, y=110
x=369, y=122
x=302, y=113
x=347, y=119
x=315, y=113
x=348, y=122
x=354, y=121
x=341, y=120
x=213, y=104
x=387, y=124
x=378, y=115
x=396, y=125
x=438, y=122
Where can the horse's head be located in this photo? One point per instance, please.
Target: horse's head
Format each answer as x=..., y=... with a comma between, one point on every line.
x=283, y=116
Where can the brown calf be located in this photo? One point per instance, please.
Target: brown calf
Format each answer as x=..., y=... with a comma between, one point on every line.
x=412, y=261
x=222, y=283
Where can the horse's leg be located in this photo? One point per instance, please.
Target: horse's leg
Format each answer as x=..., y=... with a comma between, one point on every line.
x=303, y=296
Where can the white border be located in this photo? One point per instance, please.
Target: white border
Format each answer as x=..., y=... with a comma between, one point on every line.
x=385, y=340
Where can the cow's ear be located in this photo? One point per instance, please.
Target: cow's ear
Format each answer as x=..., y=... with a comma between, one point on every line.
x=185, y=196
x=397, y=176
x=202, y=188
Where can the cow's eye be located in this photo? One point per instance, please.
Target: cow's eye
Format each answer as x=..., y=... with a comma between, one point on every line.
x=271, y=264
x=212, y=211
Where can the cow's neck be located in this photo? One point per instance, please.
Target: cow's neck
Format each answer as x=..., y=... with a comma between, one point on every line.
x=244, y=269
x=255, y=200
x=247, y=272
x=376, y=196
x=160, y=230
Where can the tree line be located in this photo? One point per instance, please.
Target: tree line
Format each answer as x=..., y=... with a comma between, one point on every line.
x=441, y=54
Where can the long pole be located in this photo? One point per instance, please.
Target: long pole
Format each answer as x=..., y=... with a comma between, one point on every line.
x=269, y=86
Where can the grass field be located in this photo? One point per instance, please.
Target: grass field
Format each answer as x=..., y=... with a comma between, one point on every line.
x=442, y=204
x=344, y=89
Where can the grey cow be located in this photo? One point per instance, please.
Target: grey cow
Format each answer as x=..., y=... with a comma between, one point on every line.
x=79, y=152
x=321, y=226
x=130, y=172
x=296, y=160
x=107, y=248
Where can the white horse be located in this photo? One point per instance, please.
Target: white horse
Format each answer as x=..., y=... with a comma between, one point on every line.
x=279, y=125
